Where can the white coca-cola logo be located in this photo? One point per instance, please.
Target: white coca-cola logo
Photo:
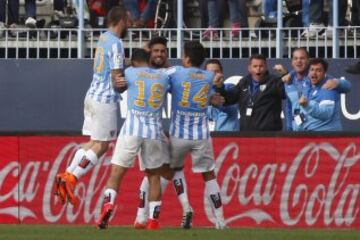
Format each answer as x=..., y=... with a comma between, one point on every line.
x=27, y=188
x=332, y=201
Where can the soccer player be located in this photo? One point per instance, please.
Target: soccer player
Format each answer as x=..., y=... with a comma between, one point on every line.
x=159, y=60
x=100, y=110
x=191, y=87
x=141, y=132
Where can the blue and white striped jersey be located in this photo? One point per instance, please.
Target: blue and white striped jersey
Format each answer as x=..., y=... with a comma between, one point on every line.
x=109, y=55
x=190, y=88
x=146, y=92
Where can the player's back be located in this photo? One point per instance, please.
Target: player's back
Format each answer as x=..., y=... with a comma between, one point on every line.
x=109, y=55
x=190, y=88
x=146, y=93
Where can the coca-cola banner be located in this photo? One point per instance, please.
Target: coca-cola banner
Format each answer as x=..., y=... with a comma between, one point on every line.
x=264, y=181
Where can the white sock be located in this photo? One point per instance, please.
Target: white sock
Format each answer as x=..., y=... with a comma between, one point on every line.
x=154, y=209
x=163, y=184
x=79, y=154
x=143, y=207
x=109, y=196
x=86, y=164
x=212, y=191
x=181, y=190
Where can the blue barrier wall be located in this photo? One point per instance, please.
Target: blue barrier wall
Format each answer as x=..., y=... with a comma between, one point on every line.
x=48, y=94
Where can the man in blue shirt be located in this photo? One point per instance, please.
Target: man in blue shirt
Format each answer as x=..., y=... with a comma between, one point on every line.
x=319, y=108
x=298, y=77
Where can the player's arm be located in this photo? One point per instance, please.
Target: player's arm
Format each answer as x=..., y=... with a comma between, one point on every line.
x=340, y=85
x=117, y=66
x=322, y=110
x=231, y=96
x=118, y=80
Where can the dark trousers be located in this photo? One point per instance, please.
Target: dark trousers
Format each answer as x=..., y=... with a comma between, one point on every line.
x=316, y=12
x=12, y=10
x=222, y=4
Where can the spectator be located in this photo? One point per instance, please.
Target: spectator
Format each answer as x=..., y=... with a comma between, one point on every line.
x=238, y=17
x=13, y=14
x=270, y=11
x=30, y=11
x=225, y=118
x=140, y=20
x=259, y=95
x=316, y=18
x=59, y=7
x=98, y=9
x=298, y=83
x=320, y=109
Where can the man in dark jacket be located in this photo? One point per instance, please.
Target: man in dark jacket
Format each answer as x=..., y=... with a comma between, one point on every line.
x=259, y=95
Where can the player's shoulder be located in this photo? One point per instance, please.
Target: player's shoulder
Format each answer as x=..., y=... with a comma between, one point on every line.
x=208, y=74
x=111, y=40
x=171, y=70
x=129, y=70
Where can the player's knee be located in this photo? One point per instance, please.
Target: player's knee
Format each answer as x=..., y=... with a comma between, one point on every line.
x=207, y=176
x=100, y=147
x=166, y=172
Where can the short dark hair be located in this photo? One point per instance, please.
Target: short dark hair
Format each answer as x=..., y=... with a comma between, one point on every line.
x=321, y=61
x=300, y=49
x=195, y=51
x=158, y=40
x=214, y=61
x=115, y=15
x=140, y=55
x=258, y=57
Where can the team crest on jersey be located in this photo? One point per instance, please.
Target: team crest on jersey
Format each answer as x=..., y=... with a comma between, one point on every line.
x=118, y=59
x=262, y=87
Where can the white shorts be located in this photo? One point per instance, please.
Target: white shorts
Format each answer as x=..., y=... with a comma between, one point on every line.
x=128, y=147
x=201, y=151
x=100, y=120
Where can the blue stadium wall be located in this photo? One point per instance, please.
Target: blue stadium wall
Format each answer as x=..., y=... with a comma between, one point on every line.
x=47, y=95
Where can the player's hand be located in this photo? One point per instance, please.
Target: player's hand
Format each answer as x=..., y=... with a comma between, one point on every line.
x=331, y=84
x=286, y=79
x=303, y=101
x=218, y=80
x=217, y=100
x=280, y=69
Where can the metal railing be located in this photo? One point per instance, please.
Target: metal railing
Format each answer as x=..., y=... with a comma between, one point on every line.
x=63, y=43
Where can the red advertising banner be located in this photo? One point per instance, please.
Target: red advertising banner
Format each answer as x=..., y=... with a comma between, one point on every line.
x=266, y=182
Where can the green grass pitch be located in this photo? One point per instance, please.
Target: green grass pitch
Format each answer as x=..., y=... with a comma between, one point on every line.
x=87, y=232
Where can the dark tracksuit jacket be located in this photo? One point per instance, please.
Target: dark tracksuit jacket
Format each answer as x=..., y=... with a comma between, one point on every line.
x=259, y=111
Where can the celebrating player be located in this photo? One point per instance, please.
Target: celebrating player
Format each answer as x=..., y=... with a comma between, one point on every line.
x=158, y=59
x=141, y=132
x=190, y=87
x=100, y=110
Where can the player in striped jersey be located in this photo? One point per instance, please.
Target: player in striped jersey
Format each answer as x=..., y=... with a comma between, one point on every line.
x=141, y=132
x=191, y=88
x=158, y=59
x=100, y=105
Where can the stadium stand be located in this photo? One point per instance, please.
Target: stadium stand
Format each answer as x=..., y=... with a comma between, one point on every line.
x=53, y=41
